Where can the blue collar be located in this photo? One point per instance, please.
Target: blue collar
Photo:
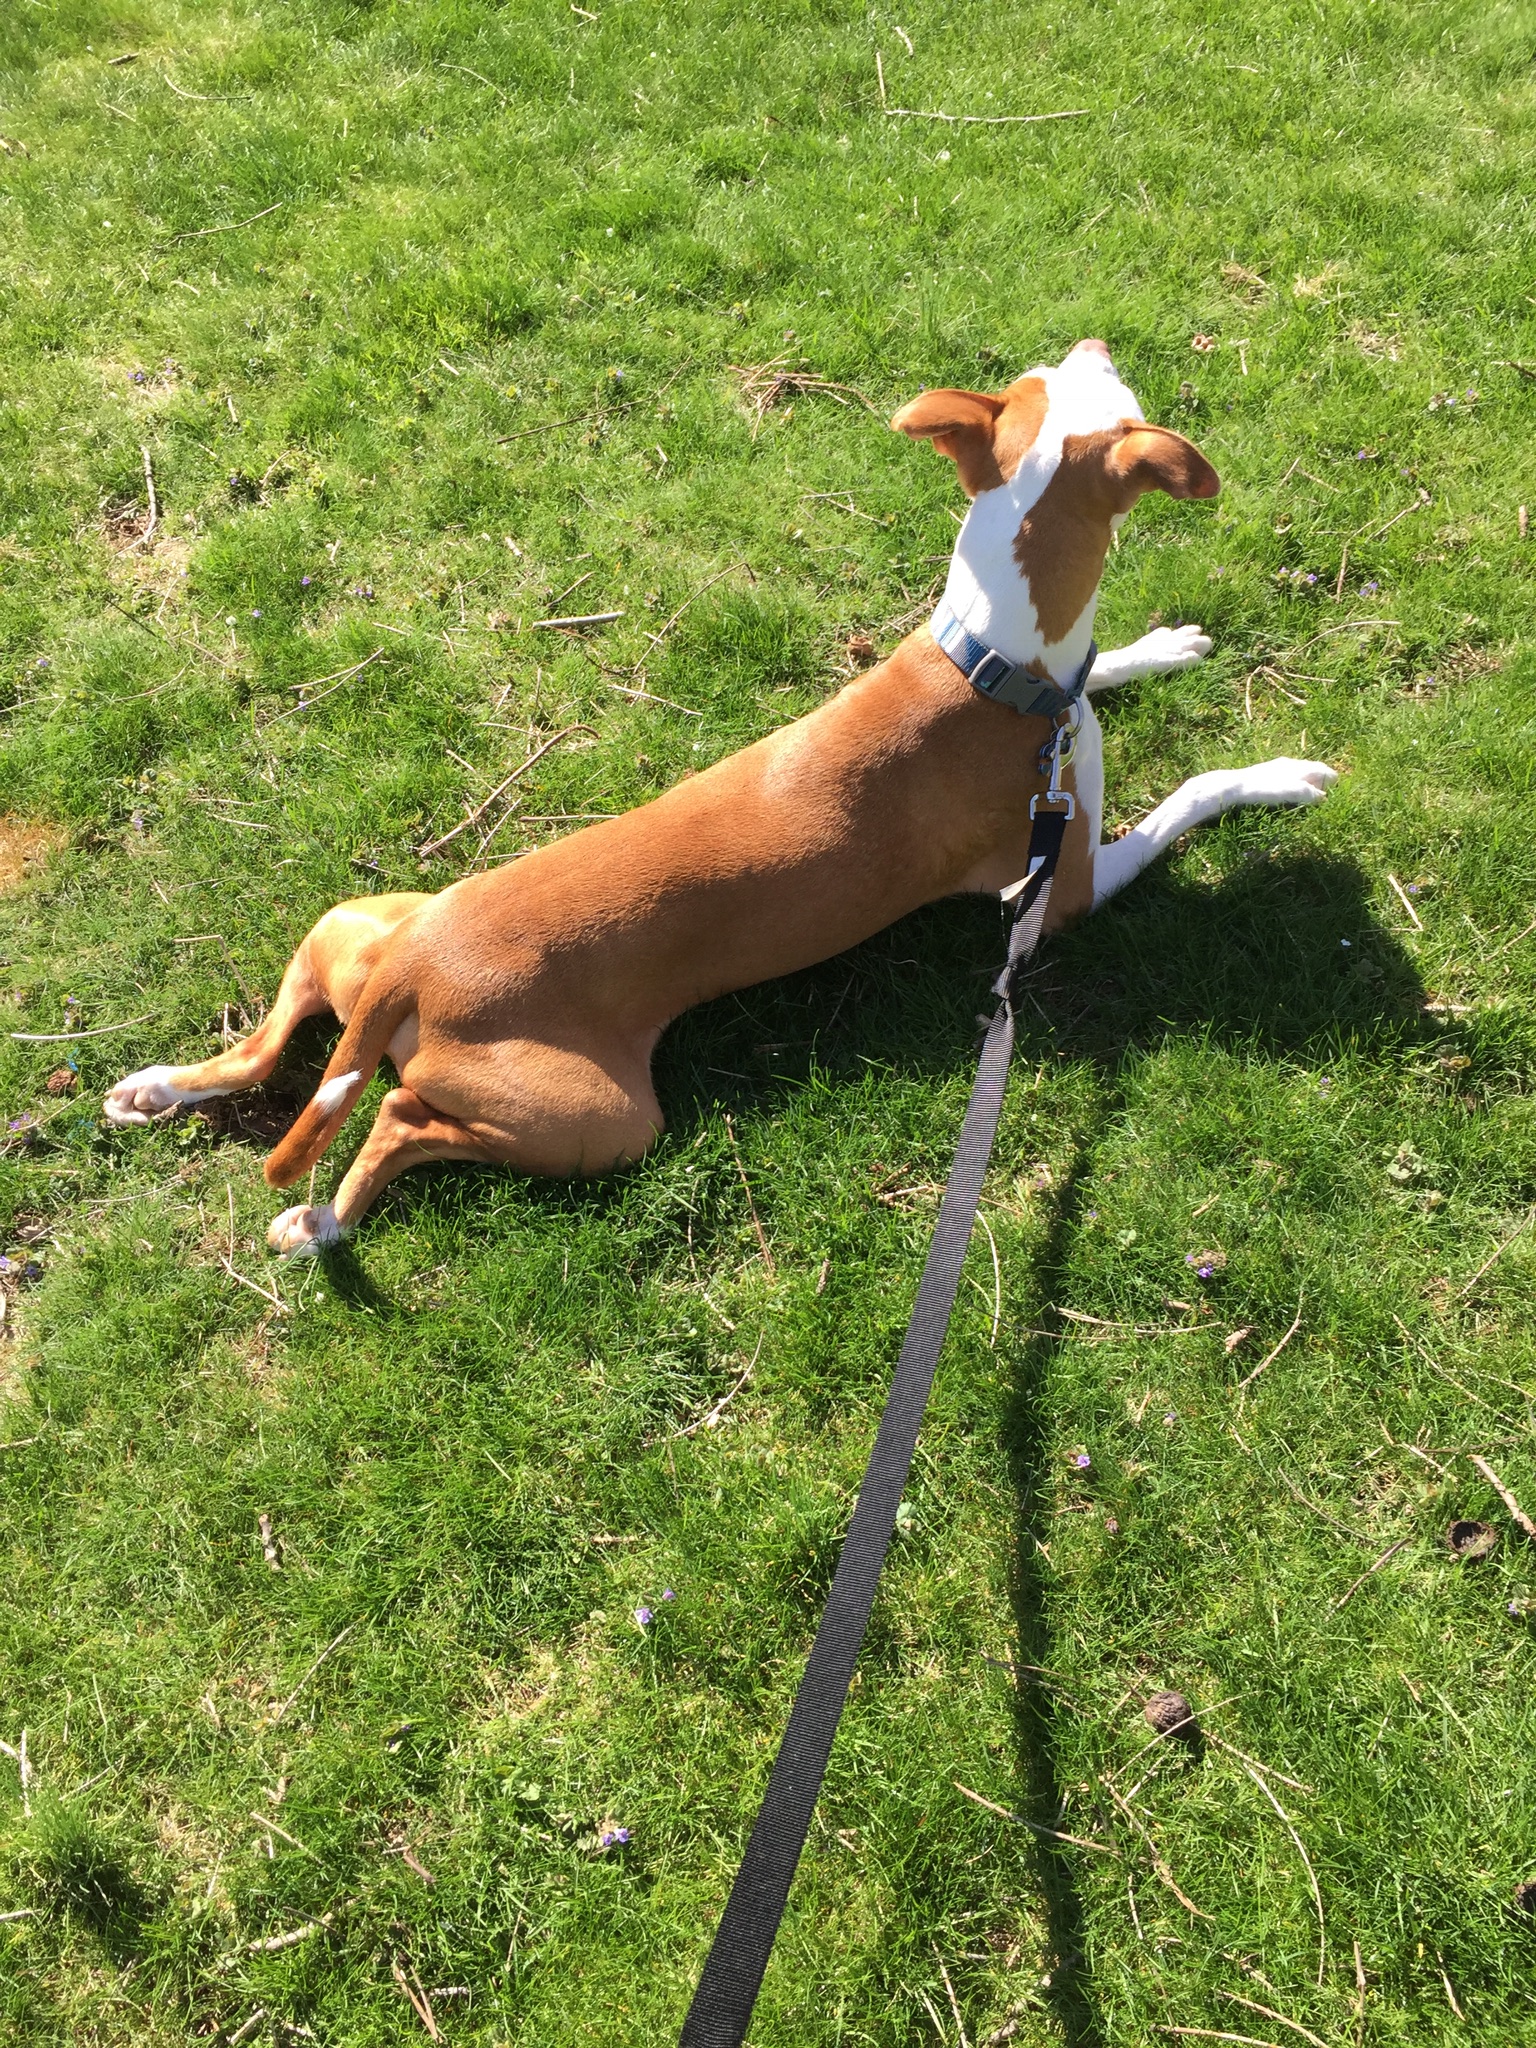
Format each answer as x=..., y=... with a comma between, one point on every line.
x=1006, y=682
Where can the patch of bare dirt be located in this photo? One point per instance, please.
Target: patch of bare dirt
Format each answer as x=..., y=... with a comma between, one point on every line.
x=25, y=844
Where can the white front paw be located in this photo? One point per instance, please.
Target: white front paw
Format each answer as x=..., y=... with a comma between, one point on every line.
x=1171, y=647
x=303, y=1230
x=1284, y=781
x=142, y=1096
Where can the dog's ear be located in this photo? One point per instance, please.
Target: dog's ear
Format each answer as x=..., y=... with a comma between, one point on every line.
x=1157, y=459
x=961, y=425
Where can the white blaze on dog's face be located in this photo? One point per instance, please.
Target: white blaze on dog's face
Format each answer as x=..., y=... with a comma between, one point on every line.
x=1052, y=466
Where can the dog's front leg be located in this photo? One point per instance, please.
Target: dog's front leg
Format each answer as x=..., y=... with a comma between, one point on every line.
x=1195, y=802
x=1164, y=648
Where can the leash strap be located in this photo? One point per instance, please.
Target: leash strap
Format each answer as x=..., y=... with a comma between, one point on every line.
x=733, y=1972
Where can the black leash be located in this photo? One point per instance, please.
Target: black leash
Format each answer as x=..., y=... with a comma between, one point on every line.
x=733, y=1972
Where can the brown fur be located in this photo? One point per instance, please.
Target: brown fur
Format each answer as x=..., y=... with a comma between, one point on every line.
x=1065, y=535
x=521, y=1007
x=986, y=435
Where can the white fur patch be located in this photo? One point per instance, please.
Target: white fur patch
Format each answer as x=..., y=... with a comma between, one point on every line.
x=140, y=1097
x=330, y=1095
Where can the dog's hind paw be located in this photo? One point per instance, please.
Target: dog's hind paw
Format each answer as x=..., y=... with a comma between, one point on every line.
x=140, y=1097
x=301, y=1231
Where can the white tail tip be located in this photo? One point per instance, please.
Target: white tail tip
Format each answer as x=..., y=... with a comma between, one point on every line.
x=330, y=1095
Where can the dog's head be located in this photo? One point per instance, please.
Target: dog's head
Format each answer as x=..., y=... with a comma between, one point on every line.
x=1053, y=463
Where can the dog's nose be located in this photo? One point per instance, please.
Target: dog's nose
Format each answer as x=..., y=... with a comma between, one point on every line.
x=1094, y=345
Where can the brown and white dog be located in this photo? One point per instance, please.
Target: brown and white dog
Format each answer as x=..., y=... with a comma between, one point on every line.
x=520, y=1008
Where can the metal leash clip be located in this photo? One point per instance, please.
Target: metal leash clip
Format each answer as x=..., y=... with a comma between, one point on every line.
x=1054, y=756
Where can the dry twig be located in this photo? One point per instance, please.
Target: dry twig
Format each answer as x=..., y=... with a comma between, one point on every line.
x=985, y=120
x=1164, y=1874
x=1524, y=1225
x=574, y=620
x=954, y=2003
x=1269, y=2013
x=154, y=506
x=757, y=1225
x=436, y=845
x=336, y=678
x=997, y=1280
x=229, y=227
x=335, y=1644
x=765, y=385
x=1345, y=1598
x=1035, y=1826
x=1265, y=1363
x=657, y=638
x=709, y=1420
x=1403, y=897
x=1506, y=1496
x=64, y=1037
x=1317, y=1897
x=421, y=2005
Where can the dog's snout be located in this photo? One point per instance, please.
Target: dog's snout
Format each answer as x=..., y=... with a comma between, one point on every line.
x=1093, y=346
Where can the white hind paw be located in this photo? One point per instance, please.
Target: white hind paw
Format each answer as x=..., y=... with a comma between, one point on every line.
x=147, y=1094
x=303, y=1230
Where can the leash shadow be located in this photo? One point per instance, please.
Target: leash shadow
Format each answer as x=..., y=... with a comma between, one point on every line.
x=1036, y=1701
x=1286, y=960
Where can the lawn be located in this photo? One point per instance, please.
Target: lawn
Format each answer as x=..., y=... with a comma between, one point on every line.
x=340, y=344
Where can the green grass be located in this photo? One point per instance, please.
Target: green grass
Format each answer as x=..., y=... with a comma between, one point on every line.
x=466, y=1426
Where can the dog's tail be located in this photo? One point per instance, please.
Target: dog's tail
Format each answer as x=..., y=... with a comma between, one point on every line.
x=386, y=1001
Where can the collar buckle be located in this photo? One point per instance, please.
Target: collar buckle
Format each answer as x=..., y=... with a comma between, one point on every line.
x=1001, y=681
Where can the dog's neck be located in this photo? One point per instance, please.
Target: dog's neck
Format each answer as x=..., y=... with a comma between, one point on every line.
x=990, y=595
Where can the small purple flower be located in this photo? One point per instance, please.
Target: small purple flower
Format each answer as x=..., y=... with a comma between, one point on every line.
x=256, y=614
x=31, y=1270
x=1346, y=942
x=305, y=581
x=6, y=1266
x=1311, y=576
x=1362, y=455
x=1204, y=1272
x=1413, y=888
x=1093, y=1215
x=138, y=376
x=42, y=661
x=667, y=1593
x=615, y=1838
x=644, y=1617
x=1111, y=1525
x=1170, y=1418
x=1082, y=1461
x=1325, y=1086
x=1515, y=1609
x=1369, y=589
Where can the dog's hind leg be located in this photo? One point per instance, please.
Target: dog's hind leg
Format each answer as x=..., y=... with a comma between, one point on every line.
x=326, y=973
x=141, y=1096
x=407, y=1132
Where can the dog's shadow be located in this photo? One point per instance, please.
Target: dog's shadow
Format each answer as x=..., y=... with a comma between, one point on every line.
x=1285, y=958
